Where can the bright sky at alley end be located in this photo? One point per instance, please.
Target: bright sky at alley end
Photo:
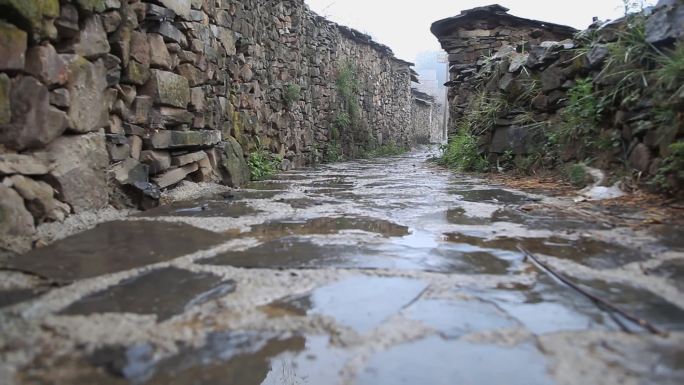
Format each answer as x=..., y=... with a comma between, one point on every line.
x=405, y=25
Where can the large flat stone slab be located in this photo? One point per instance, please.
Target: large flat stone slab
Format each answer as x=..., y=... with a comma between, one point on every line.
x=113, y=247
x=164, y=293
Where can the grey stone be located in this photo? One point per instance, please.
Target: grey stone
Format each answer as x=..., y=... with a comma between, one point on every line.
x=40, y=199
x=167, y=88
x=640, y=158
x=136, y=144
x=234, y=169
x=179, y=7
x=80, y=171
x=159, y=54
x=88, y=109
x=15, y=219
x=113, y=66
x=142, y=106
x=118, y=149
x=183, y=139
x=140, y=48
x=60, y=98
x=67, y=23
x=93, y=41
x=666, y=24
x=513, y=139
x=23, y=164
x=111, y=21
x=5, y=105
x=12, y=47
x=192, y=157
x=130, y=171
x=34, y=123
x=156, y=13
x=157, y=161
x=197, y=99
x=170, y=33
x=92, y=5
x=136, y=73
x=193, y=74
x=173, y=117
x=597, y=55
x=176, y=175
x=552, y=78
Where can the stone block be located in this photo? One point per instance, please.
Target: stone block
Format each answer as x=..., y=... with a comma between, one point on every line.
x=5, y=105
x=136, y=73
x=60, y=98
x=111, y=21
x=88, y=109
x=157, y=161
x=80, y=171
x=34, y=123
x=168, y=89
x=176, y=175
x=197, y=99
x=136, y=144
x=12, y=47
x=170, y=33
x=192, y=157
x=15, y=220
x=193, y=74
x=140, y=48
x=234, y=169
x=183, y=139
x=35, y=14
x=40, y=199
x=514, y=139
x=92, y=41
x=159, y=54
x=23, y=164
x=130, y=171
x=179, y=7
x=640, y=158
x=174, y=117
x=43, y=62
x=92, y=5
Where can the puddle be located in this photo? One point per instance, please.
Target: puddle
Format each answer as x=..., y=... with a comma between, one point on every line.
x=230, y=358
x=435, y=361
x=237, y=195
x=540, y=219
x=361, y=303
x=113, y=247
x=492, y=195
x=165, y=293
x=266, y=186
x=588, y=251
x=453, y=319
x=322, y=226
x=304, y=203
x=202, y=209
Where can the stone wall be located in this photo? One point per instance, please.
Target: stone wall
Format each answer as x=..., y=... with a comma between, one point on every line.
x=557, y=102
x=426, y=118
x=109, y=101
x=479, y=33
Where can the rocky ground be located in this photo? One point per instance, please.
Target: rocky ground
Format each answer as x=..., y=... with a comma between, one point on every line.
x=386, y=271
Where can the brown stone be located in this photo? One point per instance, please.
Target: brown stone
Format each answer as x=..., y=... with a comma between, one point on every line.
x=12, y=47
x=159, y=54
x=88, y=109
x=34, y=123
x=140, y=48
x=173, y=117
x=60, y=98
x=158, y=161
x=640, y=158
x=80, y=171
x=168, y=89
x=192, y=157
x=93, y=41
x=111, y=21
x=136, y=73
x=183, y=139
x=15, y=220
x=23, y=164
x=176, y=175
x=40, y=199
x=136, y=144
x=5, y=105
x=43, y=62
x=192, y=73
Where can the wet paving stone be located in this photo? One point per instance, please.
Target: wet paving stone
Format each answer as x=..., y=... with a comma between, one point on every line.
x=227, y=358
x=355, y=302
x=165, y=293
x=453, y=319
x=266, y=186
x=322, y=226
x=16, y=296
x=541, y=219
x=492, y=196
x=673, y=270
x=588, y=251
x=436, y=361
x=113, y=247
x=202, y=209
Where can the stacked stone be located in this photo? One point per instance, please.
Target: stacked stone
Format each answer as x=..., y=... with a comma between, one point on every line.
x=505, y=66
x=110, y=101
x=424, y=117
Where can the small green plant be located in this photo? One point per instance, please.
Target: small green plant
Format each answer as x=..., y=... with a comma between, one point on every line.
x=462, y=153
x=670, y=175
x=578, y=176
x=291, y=94
x=333, y=152
x=386, y=150
x=263, y=165
x=581, y=116
x=670, y=74
x=342, y=121
x=348, y=88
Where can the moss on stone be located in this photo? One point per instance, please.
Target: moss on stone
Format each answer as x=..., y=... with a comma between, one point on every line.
x=5, y=111
x=92, y=5
x=29, y=14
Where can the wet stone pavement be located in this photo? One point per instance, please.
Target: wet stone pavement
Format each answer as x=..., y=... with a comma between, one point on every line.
x=385, y=271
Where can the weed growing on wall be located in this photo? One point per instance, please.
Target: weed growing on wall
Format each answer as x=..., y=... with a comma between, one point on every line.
x=263, y=165
x=386, y=150
x=581, y=116
x=348, y=86
x=291, y=94
x=671, y=174
x=463, y=154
